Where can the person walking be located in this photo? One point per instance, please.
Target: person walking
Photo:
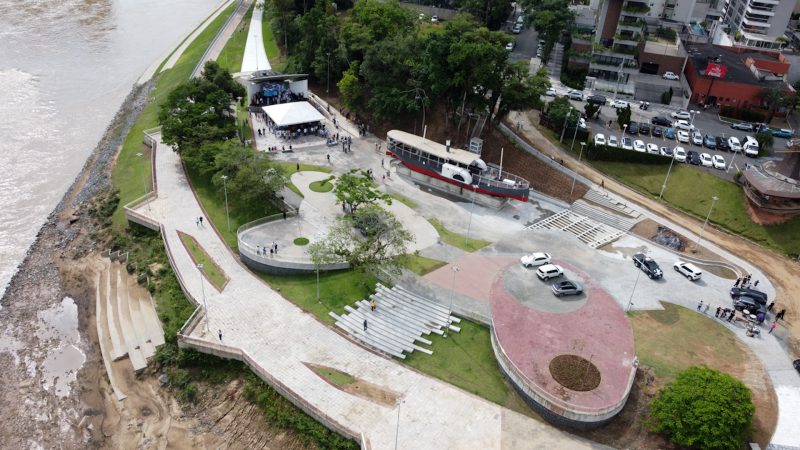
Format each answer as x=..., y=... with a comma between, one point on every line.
x=736, y=284
x=771, y=305
x=780, y=314
x=772, y=326
x=197, y=222
x=700, y=305
x=373, y=305
x=201, y=221
x=732, y=315
x=755, y=284
x=365, y=324
x=220, y=335
x=719, y=309
x=276, y=248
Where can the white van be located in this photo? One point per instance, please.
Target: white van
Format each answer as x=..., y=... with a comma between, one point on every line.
x=750, y=146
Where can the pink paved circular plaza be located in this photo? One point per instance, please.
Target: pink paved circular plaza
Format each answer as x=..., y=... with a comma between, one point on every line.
x=598, y=331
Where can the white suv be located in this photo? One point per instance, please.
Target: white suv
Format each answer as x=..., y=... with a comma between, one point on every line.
x=688, y=270
x=548, y=271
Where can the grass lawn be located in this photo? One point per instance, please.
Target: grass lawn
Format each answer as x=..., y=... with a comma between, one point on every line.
x=288, y=168
x=691, y=190
x=334, y=376
x=211, y=270
x=421, y=265
x=276, y=59
x=457, y=240
x=231, y=56
x=129, y=169
x=300, y=241
x=404, y=200
x=321, y=186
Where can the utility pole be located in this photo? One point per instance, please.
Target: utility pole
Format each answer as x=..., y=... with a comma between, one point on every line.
x=702, y=230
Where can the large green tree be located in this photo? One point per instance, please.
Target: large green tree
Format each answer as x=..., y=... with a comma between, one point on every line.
x=704, y=408
x=772, y=99
x=372, y=21
x=520, y=91
x=491, y=13
x=356, y=188
x=318, y=46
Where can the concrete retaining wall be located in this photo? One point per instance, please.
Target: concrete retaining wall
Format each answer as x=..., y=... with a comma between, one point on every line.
x=276, y=266
x=443, y=186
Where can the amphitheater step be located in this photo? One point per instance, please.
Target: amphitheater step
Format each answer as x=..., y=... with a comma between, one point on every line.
x=126, y=323
x=102, y=325
x=118, y=349
x=602, y=199
x=604, y=216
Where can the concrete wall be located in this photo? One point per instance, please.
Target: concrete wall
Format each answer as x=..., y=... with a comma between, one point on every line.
x=276, y=266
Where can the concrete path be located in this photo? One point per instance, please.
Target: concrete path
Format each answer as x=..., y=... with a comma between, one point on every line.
x=177, y=54
x=255, y=56
x=281, y=338
x=223, y=36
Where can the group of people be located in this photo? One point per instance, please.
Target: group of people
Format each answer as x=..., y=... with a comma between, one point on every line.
x=262, y=250
x=744, y=282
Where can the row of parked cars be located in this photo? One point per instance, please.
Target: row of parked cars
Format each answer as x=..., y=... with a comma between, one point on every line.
x=651, y=268
x=678, y=153
x=545, y=271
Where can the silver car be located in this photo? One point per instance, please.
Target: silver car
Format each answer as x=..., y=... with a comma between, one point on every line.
x=567, y=287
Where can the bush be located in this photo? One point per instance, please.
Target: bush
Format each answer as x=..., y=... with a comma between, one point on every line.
x=605, y=153
x=666, y=33
x=666, y=97
x=747, y=115
x=575, y=79
x=704, y=408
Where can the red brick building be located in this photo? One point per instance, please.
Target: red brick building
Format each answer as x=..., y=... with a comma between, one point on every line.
x=748, y=74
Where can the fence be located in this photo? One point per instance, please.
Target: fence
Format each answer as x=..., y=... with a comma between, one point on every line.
x=201, y=62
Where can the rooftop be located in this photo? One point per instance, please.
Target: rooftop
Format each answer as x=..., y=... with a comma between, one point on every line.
x=735, y=60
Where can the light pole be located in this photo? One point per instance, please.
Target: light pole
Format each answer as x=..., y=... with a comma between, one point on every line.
x=422, y=102
x=700, y=237
x=575, y=134
x=144, y=183
x=664, y=186
x=328, y=87
x=397, y=430
x=472, y=208
x=733, y=158
x=225, y=187
x=691, y=118
x=203, y=290
x=575, y=172
x=635, y=283
x=564, y=127
x=455, y=270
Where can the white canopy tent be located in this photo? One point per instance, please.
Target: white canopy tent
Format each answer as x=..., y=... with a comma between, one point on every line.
x=293, y=113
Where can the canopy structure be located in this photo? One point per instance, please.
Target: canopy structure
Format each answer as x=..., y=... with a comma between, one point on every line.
x=293, y=113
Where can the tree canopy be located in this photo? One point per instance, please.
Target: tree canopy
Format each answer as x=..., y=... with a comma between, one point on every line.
x=356, y=188
x=704, y=408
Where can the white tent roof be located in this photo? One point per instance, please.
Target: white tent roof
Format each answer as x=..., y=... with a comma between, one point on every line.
x=293, y=113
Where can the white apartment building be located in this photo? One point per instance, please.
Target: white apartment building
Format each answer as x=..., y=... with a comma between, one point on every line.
x=756, y=23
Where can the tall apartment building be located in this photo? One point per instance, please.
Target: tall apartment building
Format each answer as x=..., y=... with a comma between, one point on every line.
x=756, y=23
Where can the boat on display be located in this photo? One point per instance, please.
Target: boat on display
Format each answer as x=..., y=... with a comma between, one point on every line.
x=455, y=166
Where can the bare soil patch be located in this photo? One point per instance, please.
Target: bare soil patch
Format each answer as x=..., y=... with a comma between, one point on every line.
x=575, y=373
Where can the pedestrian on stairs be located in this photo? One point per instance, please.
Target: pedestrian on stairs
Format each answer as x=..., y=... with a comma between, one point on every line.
x=365, y=324
x=372, y=305
x=220, y=335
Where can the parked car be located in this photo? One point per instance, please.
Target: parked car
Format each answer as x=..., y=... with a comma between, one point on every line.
x=551, y=92
x=679, y=153
x=567, y=287
x=782, y=133
x=638, y=145
x=718, y=162
x=582, y=123
x=665, y=151
x=632, y=128
x=510, y=46
x=734, y=144
x=612, y=141
x=517, y=29
x=620, y=104
x=535, y=259
x=435, y=19
x=647, y=265
x=751, y=305
x=644, y=128
x=705, y=160
x=688, y=270
x=683, y=115
x=658, y=132
x=710, y=141
x=548, y=271
x=669, y=133
x=744, y=126
x=683, y=137
x=722, y=144
x=599, y=139
x=761, y=297
x=750, y=146
x=697, y=138
x=693, y=158
x=575, y=95
x=661, y=120
x=796, y=364
x=683, y=125
x=627, y=143
x=597, y=99
x=670, y=76
x=652, y=148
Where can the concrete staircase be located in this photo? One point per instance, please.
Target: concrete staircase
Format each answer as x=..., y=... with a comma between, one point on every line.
x=554, y=63
x=604, y=215
x=127, y=323
x=590, y=232
x=398, y=324
x=602, y=199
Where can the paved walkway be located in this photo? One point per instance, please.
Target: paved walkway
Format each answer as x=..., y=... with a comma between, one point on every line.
x=281, y=338
x=177, y=54
x=255, y=56
x=223, y=36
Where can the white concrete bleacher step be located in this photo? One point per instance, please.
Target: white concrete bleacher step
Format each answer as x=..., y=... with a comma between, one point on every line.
x=102, y=325
x=135, y=355
x=152, y=323
x=604, y=216
x=390, y=329
x=137, y=320
x=356, y=331
x=118, y=349
x=382, y=329
x=409, y=318
x=427, y=303
x=396, y=328
x=427, y=309
x=602, y=199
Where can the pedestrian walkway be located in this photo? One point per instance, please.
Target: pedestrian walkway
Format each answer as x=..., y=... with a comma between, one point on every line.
x=176, y=55
x=255, y=56
x=280, y=340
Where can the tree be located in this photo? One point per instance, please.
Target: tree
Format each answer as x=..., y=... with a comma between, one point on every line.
x=557, y=111
x=520, y=91
x=772, y=99
x=765, y=140
x=624, y=116
x=704, y=408
x=351, y=91
x=355, y=188
x=491, y=13
x=591, y=109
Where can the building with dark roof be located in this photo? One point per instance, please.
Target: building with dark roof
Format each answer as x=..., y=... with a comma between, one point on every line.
x=747, y=74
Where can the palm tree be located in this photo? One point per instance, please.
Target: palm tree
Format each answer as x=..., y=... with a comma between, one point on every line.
x=772, y=99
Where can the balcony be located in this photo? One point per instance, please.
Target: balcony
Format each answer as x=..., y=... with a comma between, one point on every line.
x=635, y=8
x=625, y=49
x=627, y=39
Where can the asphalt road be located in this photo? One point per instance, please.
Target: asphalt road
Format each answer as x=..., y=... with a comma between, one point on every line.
x=527, y=41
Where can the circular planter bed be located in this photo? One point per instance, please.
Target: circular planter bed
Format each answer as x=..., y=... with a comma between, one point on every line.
x=574, y=372
x=301, y=241
x=321, y=186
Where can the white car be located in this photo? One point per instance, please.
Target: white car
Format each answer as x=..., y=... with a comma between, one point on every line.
x=535, y=259
x=510, y=46
x=705, y=160
x=734, y=144
x=679, y=153
x=697, y=138
x=683, y=125
x=718, y=162
x=683, y=115
x=599, y=139
x=627, y=143
x=434, y=19
x=688, y=270
x=652, y=148
x=582, y=123
x=638, y=145
x=548, y=271
x=551, y=93
x=612, y=141
x=665, y=151
x=620, y=104
x=683, y=137
x=670, y=76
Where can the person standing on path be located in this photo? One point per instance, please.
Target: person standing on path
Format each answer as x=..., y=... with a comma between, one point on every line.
x=771, y=305
x=705, y=310
x=201, y=221
x=736, y=284
x=365, y=324
x=276, y=248
x=772, y=326
x=220, y=335
x=373, y=306
x=700, y=305
x=197, y=222
x=716, y=314
x=780, y=314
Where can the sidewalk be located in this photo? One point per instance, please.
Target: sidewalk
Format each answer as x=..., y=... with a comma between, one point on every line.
x=255, y=56
x=282, y=339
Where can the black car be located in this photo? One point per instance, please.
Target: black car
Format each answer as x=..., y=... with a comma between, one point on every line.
x=597, y=100
x=751, y=305
x=692, y=157
x=722, y=144
x=752, y=293
x=796, y=364
x=744, y=126
x=658, y=132
x=644, y=128
x=661, y=120
x=633, y=128
x=710, y=141
x=648, y=266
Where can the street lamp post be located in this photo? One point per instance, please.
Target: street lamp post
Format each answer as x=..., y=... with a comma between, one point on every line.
x=472, y=208
x=564, y=127
x=227, y=213
x=664, y=186
x=203, y=290
x=455, y=270
x=691, y=118
x=733, y=158
x=575, y=172
x=702, y=230
x=144, y=183
x=397, y=429
x=328, y=87
x=635, y=283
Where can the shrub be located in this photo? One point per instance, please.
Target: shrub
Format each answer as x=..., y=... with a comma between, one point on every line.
x=666, y=97
x=747, y=115
x=704, y=408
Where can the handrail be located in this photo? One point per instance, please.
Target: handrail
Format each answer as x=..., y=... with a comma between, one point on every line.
x=202, y=60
